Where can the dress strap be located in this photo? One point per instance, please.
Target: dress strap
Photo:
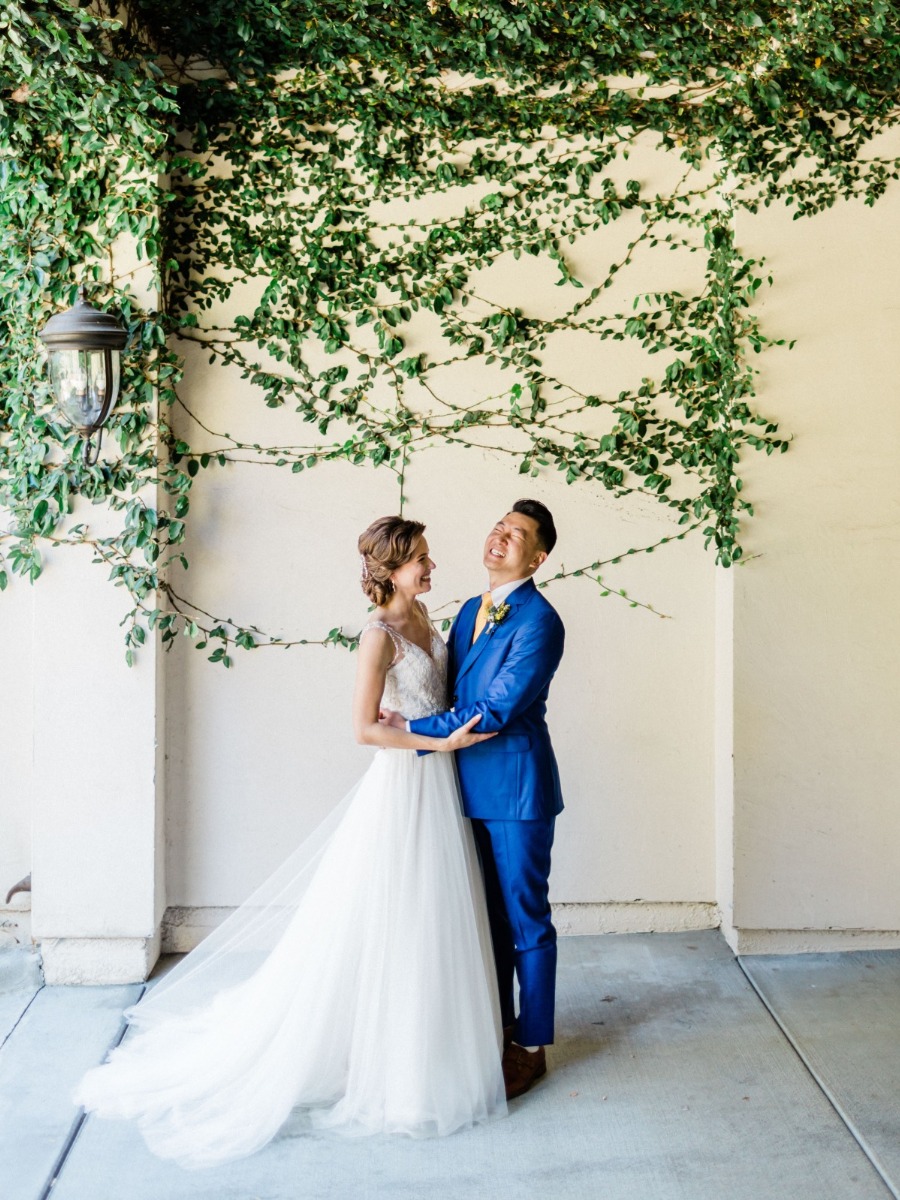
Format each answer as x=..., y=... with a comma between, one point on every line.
x=435, y=636
x=394, y=635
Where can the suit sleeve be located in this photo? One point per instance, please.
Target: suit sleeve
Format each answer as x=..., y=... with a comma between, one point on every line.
x=527, y=669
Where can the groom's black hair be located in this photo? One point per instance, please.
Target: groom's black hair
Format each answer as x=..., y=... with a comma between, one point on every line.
x=539, y=513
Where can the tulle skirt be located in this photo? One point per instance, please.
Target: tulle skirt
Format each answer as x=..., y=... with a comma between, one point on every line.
x=357, y=985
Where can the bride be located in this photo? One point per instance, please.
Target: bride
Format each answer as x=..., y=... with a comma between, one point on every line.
x=357, y=985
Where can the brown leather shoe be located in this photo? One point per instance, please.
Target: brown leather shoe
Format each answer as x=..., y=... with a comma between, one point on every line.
x=522, y=1068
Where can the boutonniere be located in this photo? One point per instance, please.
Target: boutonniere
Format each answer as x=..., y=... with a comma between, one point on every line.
x=496, y=614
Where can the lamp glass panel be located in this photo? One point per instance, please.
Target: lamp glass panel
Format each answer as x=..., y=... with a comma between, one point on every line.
x=80, y=384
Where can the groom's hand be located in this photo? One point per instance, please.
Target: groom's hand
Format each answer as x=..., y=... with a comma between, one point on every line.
x=387, y=716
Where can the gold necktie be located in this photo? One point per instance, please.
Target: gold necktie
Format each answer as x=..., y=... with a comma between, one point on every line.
x=481, y=618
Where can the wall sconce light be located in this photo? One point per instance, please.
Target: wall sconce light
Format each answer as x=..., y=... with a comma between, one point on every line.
x=84, y=351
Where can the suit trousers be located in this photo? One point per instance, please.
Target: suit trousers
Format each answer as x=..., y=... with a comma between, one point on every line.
x=515, y=858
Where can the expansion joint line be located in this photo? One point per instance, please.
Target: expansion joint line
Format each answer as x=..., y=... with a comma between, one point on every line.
x=823, y=1087
x=72, y=1136
x=37, y=992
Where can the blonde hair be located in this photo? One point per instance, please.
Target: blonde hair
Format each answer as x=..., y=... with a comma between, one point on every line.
x=387, y=544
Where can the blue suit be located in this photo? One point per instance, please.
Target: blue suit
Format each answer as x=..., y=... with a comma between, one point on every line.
x=510, y=787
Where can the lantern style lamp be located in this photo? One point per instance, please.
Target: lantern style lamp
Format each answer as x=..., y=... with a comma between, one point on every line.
x=84, y=350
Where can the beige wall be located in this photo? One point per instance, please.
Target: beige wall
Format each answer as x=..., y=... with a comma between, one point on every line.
x=257, y=755
x=817, y=623
x=81, y=788
x=739, y=756
x=16, y=754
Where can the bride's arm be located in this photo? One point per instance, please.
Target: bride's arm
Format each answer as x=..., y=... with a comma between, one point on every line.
x=376, y=653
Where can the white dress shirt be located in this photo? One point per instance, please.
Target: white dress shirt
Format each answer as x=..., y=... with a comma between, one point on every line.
x=501, y=593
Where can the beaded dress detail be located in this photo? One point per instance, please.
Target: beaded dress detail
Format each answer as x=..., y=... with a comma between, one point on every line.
x=354, y=991
x=416, y=683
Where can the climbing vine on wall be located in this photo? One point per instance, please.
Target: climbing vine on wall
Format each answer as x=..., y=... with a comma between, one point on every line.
x=359, y=168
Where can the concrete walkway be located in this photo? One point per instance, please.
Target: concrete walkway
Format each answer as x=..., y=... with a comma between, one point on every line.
x=679, y=1074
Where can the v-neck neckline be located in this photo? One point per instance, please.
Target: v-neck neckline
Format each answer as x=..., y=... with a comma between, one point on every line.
x=428, y=654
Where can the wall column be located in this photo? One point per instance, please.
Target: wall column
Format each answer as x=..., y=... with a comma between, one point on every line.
x=97, y=878
x=723, y=741
x=98, y=845
x=816, y=633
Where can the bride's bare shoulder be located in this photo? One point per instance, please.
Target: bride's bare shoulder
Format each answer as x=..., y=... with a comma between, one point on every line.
x=385, y=642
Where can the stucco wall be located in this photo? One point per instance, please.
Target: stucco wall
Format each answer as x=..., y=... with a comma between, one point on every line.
x=16, y=756
x=257, y=755
x=81, y=762
x=817, y=624
x=741, y=754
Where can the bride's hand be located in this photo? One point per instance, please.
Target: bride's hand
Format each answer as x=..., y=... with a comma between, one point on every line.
x=460, y=738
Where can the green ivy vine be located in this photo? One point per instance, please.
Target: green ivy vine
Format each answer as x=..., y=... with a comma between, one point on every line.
x=303, y=146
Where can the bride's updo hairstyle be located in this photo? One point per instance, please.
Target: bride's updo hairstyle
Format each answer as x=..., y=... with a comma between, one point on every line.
x=386, y=545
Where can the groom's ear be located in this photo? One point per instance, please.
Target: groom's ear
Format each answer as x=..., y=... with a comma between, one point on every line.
x=539, y=559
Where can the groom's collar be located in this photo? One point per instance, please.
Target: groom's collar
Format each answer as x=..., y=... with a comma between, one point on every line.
x=501, y=593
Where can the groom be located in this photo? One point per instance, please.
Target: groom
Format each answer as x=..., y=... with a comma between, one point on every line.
x=504, y=649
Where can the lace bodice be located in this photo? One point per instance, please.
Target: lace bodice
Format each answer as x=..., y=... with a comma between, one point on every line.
x=416, y=683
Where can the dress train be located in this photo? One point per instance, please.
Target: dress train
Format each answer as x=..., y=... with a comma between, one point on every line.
x=357, y=984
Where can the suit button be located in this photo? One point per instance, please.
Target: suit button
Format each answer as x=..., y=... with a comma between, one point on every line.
x=453, y=701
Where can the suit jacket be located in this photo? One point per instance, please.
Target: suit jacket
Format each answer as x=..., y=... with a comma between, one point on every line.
x=505, y=676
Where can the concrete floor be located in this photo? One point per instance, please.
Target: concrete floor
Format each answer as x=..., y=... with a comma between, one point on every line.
x=679, y=1073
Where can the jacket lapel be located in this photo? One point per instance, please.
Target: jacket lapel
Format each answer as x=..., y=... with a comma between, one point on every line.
x=467, y=659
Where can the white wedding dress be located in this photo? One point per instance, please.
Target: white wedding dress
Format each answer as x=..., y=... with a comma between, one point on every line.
x=355, y=988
